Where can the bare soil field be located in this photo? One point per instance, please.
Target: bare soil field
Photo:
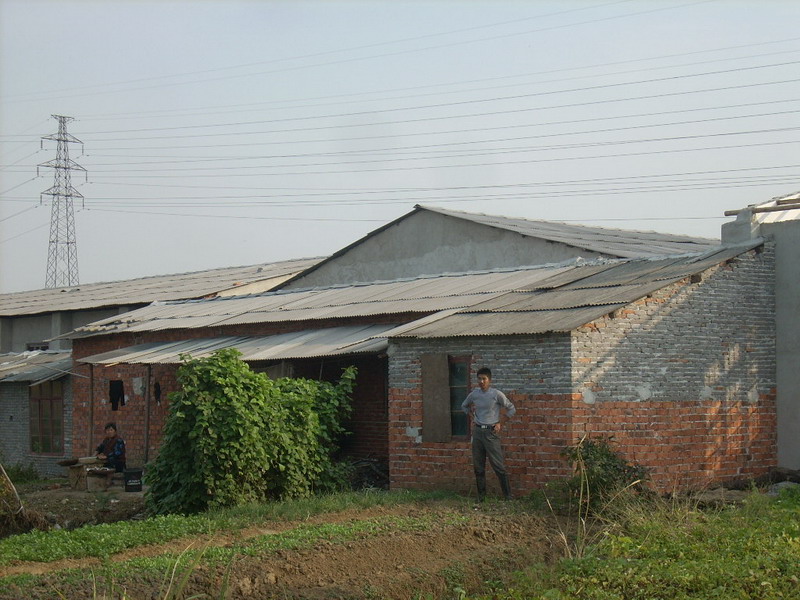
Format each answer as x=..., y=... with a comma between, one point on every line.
x=477, y=550
x=68, y=508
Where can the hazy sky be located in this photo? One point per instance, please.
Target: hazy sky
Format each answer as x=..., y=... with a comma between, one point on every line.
x=224, y=133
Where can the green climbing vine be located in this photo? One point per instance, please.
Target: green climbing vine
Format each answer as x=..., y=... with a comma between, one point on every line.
x=235, y=436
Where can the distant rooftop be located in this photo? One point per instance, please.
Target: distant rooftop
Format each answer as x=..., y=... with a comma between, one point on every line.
x=180, y=286
x=34, y=367
x=623, y=243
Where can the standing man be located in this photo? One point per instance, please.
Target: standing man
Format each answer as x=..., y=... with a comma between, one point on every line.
x=484, y=404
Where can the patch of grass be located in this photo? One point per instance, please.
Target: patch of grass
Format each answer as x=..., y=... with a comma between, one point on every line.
x=154, y=568
x=670, y=550
x=102, y=540
x=20, y=474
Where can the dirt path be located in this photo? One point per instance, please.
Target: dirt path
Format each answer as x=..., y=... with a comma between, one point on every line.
x=463, y=552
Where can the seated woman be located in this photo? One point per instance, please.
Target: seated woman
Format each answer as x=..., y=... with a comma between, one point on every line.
x=112, y=449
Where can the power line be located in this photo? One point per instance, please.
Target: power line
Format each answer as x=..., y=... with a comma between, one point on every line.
x=500, y=151
x=328, y=190
x=393, y=135
x=662, y=95
x=448, y=104
x=372, y=151
x=396, y=53
x=360, y=96
x=472, y=165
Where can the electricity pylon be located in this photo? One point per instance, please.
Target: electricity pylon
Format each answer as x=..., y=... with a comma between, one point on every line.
x=62, y=250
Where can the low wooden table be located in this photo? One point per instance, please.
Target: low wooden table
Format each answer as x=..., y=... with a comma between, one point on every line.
x=77, y=477
x=80, y=479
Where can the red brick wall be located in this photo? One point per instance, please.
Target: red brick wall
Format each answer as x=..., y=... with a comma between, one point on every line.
x=92, y=408
x=688, y=444
x=685, y=445
x=532, y=441
x=368, y=422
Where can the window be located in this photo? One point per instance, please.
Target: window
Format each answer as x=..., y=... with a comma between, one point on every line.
x=458, y=381
x=32, y=346
x=47, y=417
x=116, y=393
x=445, y=384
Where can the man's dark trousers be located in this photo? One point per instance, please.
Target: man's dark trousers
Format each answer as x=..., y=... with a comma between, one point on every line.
x=486, y=444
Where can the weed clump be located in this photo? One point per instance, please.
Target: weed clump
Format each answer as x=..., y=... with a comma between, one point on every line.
x=14, y=517
x=601, y=473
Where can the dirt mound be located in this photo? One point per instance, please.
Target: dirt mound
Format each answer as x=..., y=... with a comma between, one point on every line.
x=67, y=508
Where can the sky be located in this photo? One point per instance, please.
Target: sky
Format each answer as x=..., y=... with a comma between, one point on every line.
x=225, y=133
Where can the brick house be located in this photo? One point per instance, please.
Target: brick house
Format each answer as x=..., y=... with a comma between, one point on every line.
x=673, y=356
x=35, y=359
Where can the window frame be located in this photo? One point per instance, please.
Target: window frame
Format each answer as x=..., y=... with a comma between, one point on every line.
x=437, y=401
x=455, y=407
x=41, y=422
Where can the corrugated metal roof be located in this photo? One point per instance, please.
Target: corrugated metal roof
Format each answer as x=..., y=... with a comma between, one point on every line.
x=568, y=298
x=334, y=341
x=34, y=367
x=617, y=242
x=505, y=323
x=545, y=298
x=698, y=264
x=423, y=295
x=147, y=289
x=568, y=276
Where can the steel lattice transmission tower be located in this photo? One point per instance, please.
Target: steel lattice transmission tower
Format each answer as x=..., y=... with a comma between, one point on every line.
x=62, y=251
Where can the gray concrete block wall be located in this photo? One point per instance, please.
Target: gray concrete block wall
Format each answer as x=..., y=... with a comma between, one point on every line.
x=519, y=364
x=15, y=430
x=712, y=339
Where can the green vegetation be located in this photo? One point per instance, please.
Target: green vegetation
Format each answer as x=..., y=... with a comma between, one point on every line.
x=102, y=540
x=20, y=474
x=652, y=548
x=669, y=550
x=234, y=436
x=631, y=546
x=169, y=566
x=601, y=473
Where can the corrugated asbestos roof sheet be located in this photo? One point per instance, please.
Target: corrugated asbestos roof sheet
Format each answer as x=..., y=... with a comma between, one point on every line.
x=34, y=367
x=568, y=298
x=526, y=300
x=422, y=295
x=616, y=242
x=147, y=289
x=335, y=341
x=586, y=293
x=505, y=323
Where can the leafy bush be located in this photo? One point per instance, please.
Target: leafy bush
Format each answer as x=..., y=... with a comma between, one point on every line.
x=234, y=436
x=600, y=471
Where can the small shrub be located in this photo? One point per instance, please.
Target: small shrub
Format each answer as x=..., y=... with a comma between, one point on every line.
x=601, y=472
